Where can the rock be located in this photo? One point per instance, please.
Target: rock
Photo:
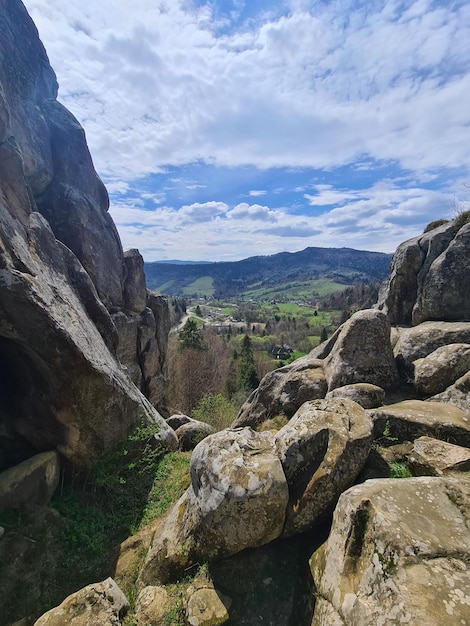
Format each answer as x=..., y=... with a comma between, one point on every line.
x=237, y=500
x=205, y=605
x=410, y=265
x=410, y=419
x=397, y=554
x=100, y=604
x=135, y=290
x=366, y=395
x=444, y=292
x=431, y=457
x=440, y=369
x=151, y=606
x=31, y=482
x=191, y=433
x=283, y=391
x=322, y=449
x=177, y=420
x=457, y=394
x=418, y=342
x=362, y=353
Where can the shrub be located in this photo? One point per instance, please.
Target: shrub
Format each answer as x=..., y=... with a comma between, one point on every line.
x=435, y=224
x=462, y=218
x=399, y=470
x=216, y=410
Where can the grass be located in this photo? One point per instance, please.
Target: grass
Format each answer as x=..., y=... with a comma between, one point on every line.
x=203, y=286
x=399, y=469
x=296, y=290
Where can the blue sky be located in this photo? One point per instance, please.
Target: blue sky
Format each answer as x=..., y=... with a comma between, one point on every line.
x=232, y=128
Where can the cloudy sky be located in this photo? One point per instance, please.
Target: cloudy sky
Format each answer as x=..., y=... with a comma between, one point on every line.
x=229, y=128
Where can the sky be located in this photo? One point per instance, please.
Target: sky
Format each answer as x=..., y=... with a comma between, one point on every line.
x=225, y=129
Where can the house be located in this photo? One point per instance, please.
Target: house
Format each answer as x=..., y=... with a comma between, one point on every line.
x=281, y=352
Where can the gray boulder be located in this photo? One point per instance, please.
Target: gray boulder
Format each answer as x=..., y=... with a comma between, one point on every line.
x=457, y=394
x=410, y=419
x=237, y=500
x=397, y=554
x=283, y=391
x=191, y=433
x=440, y=369
x=99, y=604
x=366, y=395
x=432, y=457
x=322, y=450
x=362, y=353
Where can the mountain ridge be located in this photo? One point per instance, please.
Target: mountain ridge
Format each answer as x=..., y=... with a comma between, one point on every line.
x=230, y=278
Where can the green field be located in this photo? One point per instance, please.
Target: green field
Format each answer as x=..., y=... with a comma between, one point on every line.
x=296, y=290
x=203, y=286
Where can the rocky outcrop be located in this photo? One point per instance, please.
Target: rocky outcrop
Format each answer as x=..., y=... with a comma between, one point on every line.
x=366, y=395
x=100, y=604
x=62, y=272
x=440, y=369
x=397, y=554
x=429, y=278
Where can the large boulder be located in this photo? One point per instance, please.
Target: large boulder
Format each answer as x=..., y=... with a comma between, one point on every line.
x=457, y=394
x=432, y=457
x=419, y=341
x=366, y=395
x=31, y=482
x=362, y=353
x=322, y=450
x=410, y=419
x=99, y=604
x=237, y=500
x=428, y=279
x=283, y=391
x=397, y=554
x=440, y=369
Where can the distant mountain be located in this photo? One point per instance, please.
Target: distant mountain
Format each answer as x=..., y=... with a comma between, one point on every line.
x=264, y=276
x=178, y=262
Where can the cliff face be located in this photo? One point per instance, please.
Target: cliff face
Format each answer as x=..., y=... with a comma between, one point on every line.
x=64, y=279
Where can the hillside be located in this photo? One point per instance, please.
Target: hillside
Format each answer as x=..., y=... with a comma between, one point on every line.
x=311, y=269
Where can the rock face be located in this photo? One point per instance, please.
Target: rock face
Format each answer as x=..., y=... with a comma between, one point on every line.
x=397, y=554
x=322, y=450
x=439, y=370
x=62, y=386
x=429, y=278
x=101, y=604
x=362, y=353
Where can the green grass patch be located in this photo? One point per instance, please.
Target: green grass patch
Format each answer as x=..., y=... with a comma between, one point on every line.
x=399, y=469
x=203, y=286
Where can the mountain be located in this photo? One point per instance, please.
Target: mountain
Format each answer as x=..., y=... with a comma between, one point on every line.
x=262, y=276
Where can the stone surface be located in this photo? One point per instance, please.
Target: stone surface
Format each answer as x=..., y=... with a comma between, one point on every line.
x=61, y=386
x=205, y=605
x=431, y=457
x=366, y=395
x=410, y=419
x=135, y=289
x=457, y=394
x=177, y=420
x=397, y=554
x=283, y=391
x=362, y=353
x=151, y=605
x=31, y=482
x=416, y=290
x=100, y=604
x=237, y=500
x=322, y=450
x=440, y=369
x=191, y=433
x=418, y=342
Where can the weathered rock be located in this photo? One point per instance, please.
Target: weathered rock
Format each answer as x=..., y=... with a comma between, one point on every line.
x=418, y=342
x=31, y=482
x=431, y=457
x=397, y=554
x=410, y=419
x=440, y=369
x=457, y=394
x=322, y=450
x=362, y=353
x=151, y=606
x=444, y=292
x=237, y=500
x=100, y=604
x=283, y=391
x=191, y=433
x=366, y=395
x=429, y=278
x=135, y=290
x=205, y=605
